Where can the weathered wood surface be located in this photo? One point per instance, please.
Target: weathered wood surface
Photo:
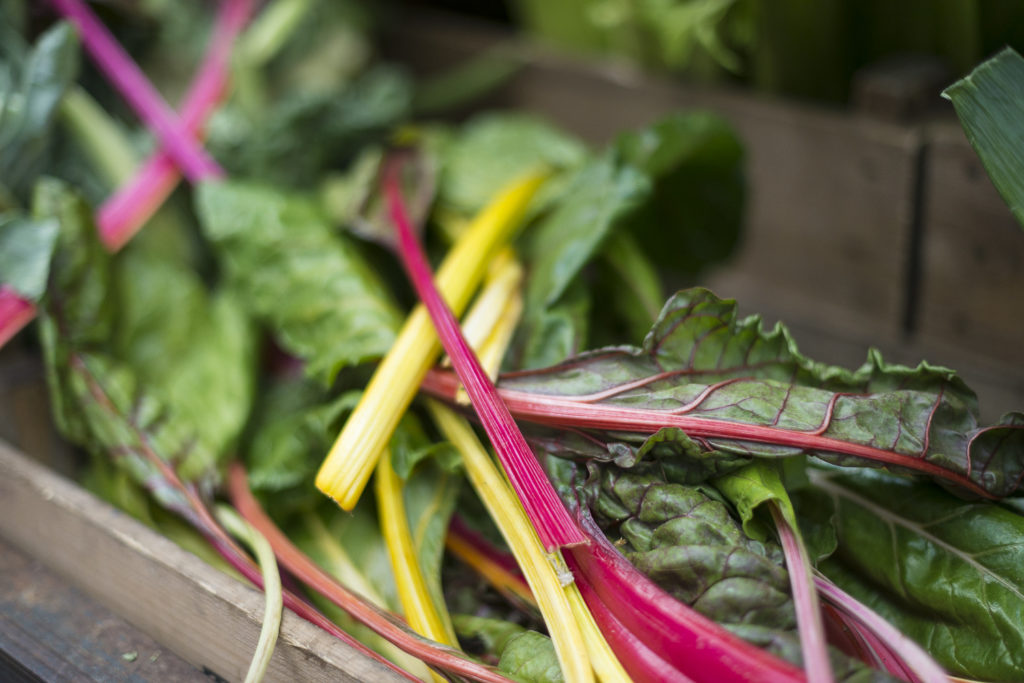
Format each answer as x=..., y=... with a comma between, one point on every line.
x=972, y=268
x=208, y=618
x=50, y=631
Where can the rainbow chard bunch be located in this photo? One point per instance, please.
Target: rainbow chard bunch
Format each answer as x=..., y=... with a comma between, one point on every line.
x=706, y=505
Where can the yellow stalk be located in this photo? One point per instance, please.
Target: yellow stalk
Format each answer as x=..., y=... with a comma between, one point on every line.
x=494, y=315
x=338, y=564
x=538, y=567
x=350, y=462
x=606, y=664
x=420, y=611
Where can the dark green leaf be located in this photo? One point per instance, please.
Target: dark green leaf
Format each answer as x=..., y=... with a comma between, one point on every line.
x=945, y=572
x=748, y=391
x=526, y=655
x=26, y=247
x=311, y=286
x=31, y=86
x=694, y=214
x=690, y=545
x=990, y=104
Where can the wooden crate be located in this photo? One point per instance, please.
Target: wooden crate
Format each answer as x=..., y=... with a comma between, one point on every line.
x=860, y=233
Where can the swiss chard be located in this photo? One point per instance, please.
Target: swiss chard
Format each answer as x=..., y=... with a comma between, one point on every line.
x=946, y=572
x=730, y=386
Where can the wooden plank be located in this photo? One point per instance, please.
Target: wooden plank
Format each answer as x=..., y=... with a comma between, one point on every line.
x=973, y=258
x=49, y=631
x=206, y=617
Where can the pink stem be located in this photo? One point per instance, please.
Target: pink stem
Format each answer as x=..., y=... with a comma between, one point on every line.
x=874, y=628
x=547, y=513
x=128, y=209
x=805, y=599
x=136, y=89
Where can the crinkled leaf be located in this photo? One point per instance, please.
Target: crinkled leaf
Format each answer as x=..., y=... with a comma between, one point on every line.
x=690, y=545
x=495, y=149
x=945, y=572
x=990, y=104
x=694, y=214
x=32, y=84
x=525, y=655
x=26, y=247
x=311, y=286
x=741, y=389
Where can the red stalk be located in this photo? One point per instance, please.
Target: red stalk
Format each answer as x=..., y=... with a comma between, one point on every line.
x=123, y=213
x=194, y=510
x=565, y=411
x=136, y=89
x=687, y=640
x=638, y=659
x=898, y=654
x=382, y=623
x=547, y=513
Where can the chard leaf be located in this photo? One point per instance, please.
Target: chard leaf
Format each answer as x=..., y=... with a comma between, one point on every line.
x=990, y=104
x=196, y=351
x=26, y=247
x=740, y=389
x=493, y=150
x=309, y=285
x=689, y=544
x=750, y=487
x=944, y=571
x=156, y=422
x=32, y=84
x=295, y=423
x=526, y=655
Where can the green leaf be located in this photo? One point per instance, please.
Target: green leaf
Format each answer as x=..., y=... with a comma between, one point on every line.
x=747, y=391
x=130, y=378
x=293, y=140
x=750, y=487
x=26, y=247
x=990, y=104
x=694, y=214
x=495, y=149
x=196, y=352
x=944, y=571
x=309, y=285
x=32, y=83
x=525, y=655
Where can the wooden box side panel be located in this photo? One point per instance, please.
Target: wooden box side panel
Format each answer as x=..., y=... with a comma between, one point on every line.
x=206, y=617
